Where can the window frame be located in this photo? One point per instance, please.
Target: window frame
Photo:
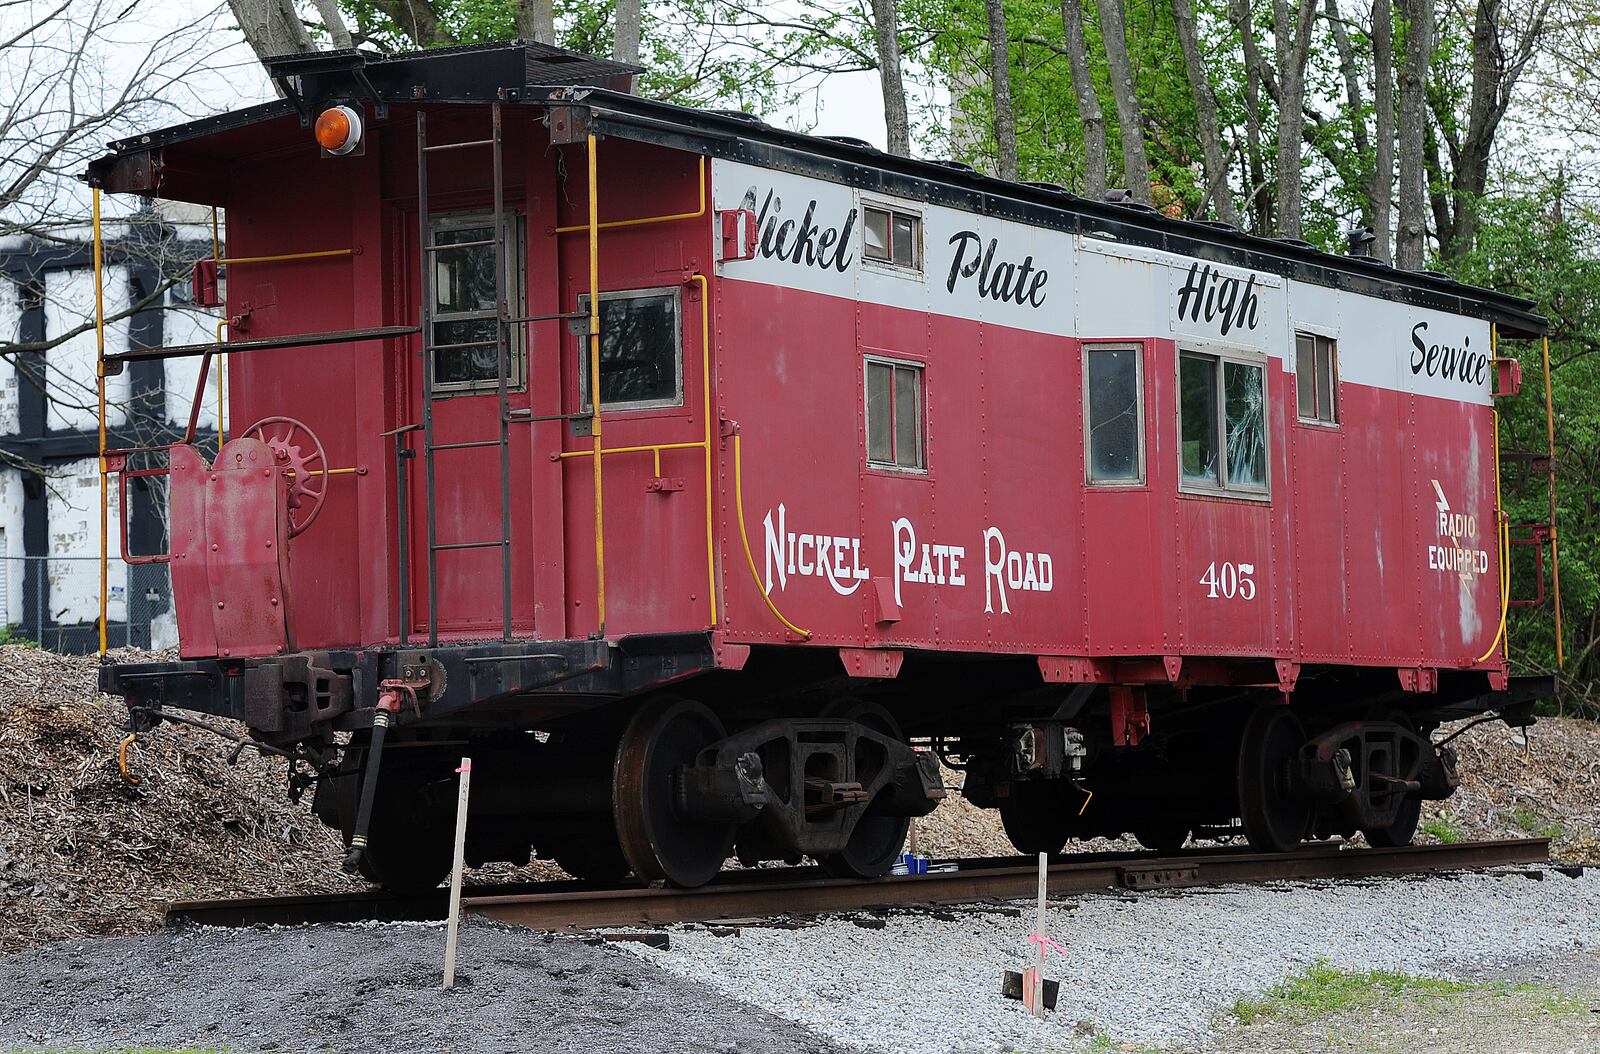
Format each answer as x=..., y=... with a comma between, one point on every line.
x=516, y=296
x=1140, y=479
x=1220, y=355
x=893, y=209
x=868, y=360
x=1317, y=336
x=581, y=302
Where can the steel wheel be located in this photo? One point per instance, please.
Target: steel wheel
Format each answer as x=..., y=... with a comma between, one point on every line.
x=875, y=841
x=1404, y=827
x=1037, y=819
x=1274, y=821
x=657, y=840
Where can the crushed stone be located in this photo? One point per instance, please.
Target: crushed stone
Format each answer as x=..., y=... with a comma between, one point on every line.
x=371, y=990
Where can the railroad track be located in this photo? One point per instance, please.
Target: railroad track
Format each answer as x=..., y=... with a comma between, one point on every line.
x=803, y=891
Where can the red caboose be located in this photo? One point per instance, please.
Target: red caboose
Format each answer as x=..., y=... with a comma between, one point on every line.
x=1100, y=505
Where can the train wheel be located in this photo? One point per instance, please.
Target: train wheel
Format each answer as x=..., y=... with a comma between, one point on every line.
x=1274, y=821
x=657, y=840
x=1404, y=827
x=876, y=840
x=1164, y=835
x=1037, y=820
x=1402, y=831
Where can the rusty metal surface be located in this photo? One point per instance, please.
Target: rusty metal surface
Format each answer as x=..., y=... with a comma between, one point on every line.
x=807, y=891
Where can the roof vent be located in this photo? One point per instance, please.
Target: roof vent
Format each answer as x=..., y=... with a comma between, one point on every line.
x=1118, y=195
x=1358, y=241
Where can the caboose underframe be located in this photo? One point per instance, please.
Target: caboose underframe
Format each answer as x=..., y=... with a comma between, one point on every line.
x=955, y=563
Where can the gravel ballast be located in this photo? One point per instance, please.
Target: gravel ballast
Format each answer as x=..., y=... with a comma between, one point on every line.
x=1152, y=969
x=370, y=990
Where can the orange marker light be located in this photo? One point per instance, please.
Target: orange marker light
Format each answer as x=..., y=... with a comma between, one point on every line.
x=338, y=130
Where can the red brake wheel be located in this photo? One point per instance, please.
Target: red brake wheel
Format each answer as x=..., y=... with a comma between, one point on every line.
x=298, y=453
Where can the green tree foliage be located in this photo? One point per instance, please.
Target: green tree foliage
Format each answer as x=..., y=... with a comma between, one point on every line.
x=695, y=52
x=1534, y=245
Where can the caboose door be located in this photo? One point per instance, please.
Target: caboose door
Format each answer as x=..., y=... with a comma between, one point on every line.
x=469, y=544
x=653, y=406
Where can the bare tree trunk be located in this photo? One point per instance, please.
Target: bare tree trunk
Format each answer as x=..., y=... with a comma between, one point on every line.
x=1354, y=98
x=271, y=27
x=1090, y=114
x=338, y=32
x=1292, y=43
x=1205, y=108
x=1498, y=60
x=1411, y=237
x=1005, y=123
x=627, y=31
x=887, y=25
x=1114, y=35
x=1380, y=195
x=417, y=19
x=1259, y=199
x=536, y=20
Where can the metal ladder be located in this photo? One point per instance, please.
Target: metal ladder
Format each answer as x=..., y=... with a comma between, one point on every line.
x=430, y=448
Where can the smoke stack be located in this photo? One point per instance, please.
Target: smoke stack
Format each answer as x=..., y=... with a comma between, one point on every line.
x=1359, y=241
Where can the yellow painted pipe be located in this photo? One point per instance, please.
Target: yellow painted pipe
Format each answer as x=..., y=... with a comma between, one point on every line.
x=319, y=254
x=744, y=536
x=641, y=221
x=594, y=383
x=100, y=383
x=705, y=396
x=1555, y=557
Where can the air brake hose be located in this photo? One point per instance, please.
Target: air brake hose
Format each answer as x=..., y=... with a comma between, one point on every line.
x=388, y=705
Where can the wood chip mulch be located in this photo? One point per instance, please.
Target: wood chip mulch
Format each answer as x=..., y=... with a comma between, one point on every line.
x=84, y=853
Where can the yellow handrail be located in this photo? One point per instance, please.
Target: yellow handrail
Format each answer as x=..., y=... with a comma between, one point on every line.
x=594, y=382
x=1502, y=528
x=641, y=221
x=222, y=359
x=100, y=384
x=320, y=253
x=738, y=508
x=1555, y=558
x=655, y=449
x=705, y=395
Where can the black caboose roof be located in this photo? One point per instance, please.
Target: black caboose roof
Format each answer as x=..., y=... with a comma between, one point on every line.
x=541, y=75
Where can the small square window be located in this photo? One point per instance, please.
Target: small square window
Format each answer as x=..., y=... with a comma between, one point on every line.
x=641, y=358
x=893, y=237
x=1316, y=365
x=1113, y=414
x=894, y=415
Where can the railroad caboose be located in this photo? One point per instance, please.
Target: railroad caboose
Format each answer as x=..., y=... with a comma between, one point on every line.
x=705, y=482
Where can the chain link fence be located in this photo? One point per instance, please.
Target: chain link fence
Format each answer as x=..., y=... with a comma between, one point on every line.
x=54, y=601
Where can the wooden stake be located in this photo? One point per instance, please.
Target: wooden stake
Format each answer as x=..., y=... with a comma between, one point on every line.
x=455, y=875
x=1036, y=988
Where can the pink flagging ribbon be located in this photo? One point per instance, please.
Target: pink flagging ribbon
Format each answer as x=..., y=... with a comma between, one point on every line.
x=466, y=766
x=1046, y=943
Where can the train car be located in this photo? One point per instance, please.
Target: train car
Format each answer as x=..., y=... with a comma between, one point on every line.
x=709, y=484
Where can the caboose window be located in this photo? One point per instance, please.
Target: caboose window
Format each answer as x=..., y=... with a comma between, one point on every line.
x=1222, y=422
x=1316, y=366
x=894, y=415
x=1113, y=414
x=893, y=236
x=641, y=361
x=465, y=357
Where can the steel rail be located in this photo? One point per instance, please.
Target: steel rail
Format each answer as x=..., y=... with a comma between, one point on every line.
x=808, y=891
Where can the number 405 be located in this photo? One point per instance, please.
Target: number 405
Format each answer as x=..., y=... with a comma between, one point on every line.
x=1229, y=580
